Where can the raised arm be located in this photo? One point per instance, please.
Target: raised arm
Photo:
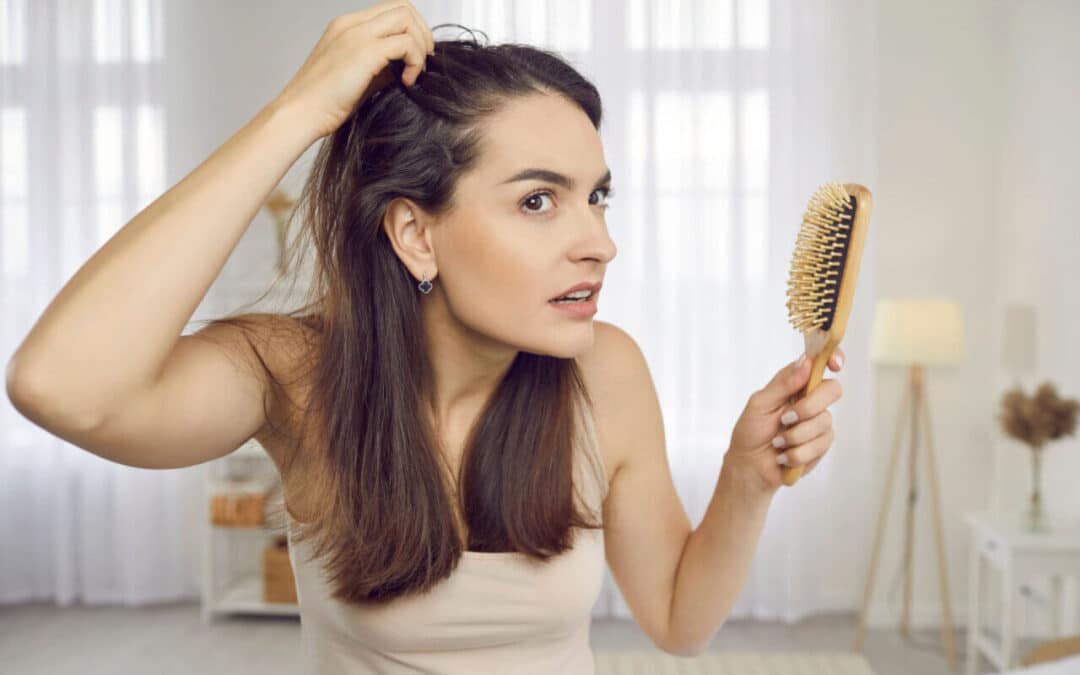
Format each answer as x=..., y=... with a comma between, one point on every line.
x=105, y=365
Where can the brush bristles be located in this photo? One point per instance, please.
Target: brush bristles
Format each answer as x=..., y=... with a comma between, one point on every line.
x=819, y=253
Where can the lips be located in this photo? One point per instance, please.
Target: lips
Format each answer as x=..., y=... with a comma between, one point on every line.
x=593, y=287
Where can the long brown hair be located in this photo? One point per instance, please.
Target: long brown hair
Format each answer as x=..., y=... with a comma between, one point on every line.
x=382, y=491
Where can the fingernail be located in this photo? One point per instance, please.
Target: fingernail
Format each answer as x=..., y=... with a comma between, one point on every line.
x=781, y=458
x=778, y=442
x=790, y=417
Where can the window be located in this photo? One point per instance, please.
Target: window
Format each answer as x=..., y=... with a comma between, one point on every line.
x=81, y=126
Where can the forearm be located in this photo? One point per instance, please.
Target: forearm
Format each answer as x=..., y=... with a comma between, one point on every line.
x=113, y=324
x=716, y=560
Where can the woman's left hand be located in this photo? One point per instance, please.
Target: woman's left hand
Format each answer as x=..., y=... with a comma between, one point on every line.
x=805, y=440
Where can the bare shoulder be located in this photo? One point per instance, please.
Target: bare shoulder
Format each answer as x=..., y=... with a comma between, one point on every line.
x=614, y=363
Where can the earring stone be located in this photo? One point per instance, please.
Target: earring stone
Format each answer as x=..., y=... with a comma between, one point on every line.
x=425, y=286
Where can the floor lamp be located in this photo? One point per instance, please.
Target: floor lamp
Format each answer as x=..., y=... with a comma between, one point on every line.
x=914, y=333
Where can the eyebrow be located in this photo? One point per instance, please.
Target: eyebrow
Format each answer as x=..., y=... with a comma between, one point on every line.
x=554, y=177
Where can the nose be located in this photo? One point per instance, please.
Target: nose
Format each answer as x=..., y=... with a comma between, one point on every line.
x=595, y=240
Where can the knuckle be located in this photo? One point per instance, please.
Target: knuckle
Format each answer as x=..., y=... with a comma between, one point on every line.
x=334, y=28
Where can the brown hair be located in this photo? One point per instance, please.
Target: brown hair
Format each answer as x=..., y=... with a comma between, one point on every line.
x=382, y=494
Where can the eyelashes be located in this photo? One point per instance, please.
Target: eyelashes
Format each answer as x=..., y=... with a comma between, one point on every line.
x=607, y=190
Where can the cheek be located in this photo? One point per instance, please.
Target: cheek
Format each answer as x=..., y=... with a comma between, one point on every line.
x=486, y=263
x=495, y=274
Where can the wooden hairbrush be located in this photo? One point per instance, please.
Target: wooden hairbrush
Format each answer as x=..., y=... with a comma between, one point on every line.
x=824, y=268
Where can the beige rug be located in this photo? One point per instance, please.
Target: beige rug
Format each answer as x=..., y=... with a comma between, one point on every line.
x=731, y=663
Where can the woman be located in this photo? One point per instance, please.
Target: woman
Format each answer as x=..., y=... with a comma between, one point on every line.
x=433, y=407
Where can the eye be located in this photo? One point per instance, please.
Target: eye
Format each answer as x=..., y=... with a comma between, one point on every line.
x=535, y=199
x=608, y=194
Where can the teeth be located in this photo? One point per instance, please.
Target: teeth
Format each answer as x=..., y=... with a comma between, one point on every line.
x=577, y=294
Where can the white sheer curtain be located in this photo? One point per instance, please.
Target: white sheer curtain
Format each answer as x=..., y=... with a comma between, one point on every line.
x=82, y=130
x=721, y=119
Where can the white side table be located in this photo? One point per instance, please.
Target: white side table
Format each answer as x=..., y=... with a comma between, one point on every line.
x=1000, y=540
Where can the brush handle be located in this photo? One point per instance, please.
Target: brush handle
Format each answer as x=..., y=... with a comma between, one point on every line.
x=792, y=474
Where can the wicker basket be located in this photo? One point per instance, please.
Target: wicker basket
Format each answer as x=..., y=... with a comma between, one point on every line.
x=240, y=509
x=279, y=584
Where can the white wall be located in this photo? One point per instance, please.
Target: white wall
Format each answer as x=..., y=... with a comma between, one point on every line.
x=1038, y=207
x=1038, y=203
x=225, y=62
x=977, y=174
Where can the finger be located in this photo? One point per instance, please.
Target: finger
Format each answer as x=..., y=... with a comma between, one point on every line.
x=823, y=396
x=807, y=452
x=403, y=46
x=397, y=20
x=803, y=432
x=340, y=24
x=788, y=382
x=416, y=27
x=425, y=31
x=836, y=360
x=834, y=363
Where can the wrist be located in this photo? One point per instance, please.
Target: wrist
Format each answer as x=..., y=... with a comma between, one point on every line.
x=289, y=120
x=742, y=477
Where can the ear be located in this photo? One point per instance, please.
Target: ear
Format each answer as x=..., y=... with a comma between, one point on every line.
x=408, y=227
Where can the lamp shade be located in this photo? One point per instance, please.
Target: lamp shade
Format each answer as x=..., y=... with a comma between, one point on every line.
x=925, y=331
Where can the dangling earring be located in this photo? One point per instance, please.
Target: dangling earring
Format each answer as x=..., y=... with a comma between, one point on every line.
x=425, y=285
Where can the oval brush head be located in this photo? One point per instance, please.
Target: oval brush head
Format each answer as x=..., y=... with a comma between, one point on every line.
x=824, y=268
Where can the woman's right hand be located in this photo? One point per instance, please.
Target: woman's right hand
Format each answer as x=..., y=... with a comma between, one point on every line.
x=350, y=61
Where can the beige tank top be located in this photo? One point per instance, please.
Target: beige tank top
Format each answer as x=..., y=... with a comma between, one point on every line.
x=496, y=613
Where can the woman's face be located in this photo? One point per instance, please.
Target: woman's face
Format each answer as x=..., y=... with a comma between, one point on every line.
x=519, y=238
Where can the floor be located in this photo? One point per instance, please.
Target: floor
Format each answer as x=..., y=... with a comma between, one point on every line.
x=40, y=638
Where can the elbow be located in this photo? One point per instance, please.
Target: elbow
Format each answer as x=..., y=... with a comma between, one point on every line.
x=679, y=648
x=684, y=647
x=687, y=652
x=21, y=391
x=39, y=405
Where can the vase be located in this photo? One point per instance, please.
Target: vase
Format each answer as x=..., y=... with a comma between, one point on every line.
x=1036, y=517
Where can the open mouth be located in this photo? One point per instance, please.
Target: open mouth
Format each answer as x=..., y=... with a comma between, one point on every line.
x=584, y=296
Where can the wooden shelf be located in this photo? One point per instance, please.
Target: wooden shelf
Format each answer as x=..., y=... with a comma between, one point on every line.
x=245, y=597
x=229, y=586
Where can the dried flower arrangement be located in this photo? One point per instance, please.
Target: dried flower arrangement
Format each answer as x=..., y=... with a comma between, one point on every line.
x=1040, y=418
x=1035, y=421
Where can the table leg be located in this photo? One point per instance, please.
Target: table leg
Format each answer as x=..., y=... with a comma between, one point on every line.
x=1006, y=614
x=974, y=588
x=1068, y=600
x=1057, y=590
